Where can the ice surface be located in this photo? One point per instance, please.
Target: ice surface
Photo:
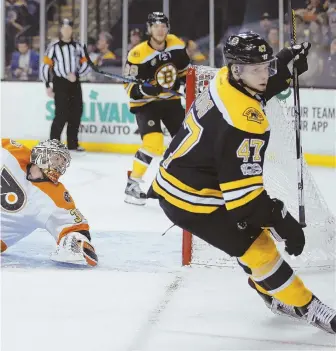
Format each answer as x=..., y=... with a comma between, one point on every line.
x=140, y=298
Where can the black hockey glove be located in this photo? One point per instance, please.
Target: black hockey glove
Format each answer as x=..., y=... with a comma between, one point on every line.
x=298, y=53
x=151, y=90
x=287, y=228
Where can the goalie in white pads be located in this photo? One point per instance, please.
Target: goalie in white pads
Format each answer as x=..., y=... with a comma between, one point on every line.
x=32, y=197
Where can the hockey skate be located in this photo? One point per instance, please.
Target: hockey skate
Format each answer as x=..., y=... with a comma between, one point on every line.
x=319, y=315
x=315, y=312
x=134, y=194
x=79, y=150
x=276, y=306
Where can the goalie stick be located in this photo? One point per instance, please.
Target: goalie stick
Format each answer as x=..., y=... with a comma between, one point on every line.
x=124, y=79
x=296, y=90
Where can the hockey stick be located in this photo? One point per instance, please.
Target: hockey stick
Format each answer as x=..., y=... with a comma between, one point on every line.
x=123, y=79
x=297, y=110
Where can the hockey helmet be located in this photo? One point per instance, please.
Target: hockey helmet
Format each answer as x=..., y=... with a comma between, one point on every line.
x=157, y=17
x=52, y=157
x=247, y=48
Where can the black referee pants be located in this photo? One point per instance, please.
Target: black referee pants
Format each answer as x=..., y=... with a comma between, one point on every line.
x=68, y=109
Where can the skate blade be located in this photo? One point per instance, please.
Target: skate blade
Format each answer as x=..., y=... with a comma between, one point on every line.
x=284, y=313
x=134, y=201
x=325, y=329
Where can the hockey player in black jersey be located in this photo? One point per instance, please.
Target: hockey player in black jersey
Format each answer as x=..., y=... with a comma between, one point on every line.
x=210, y=181
x=163, y=62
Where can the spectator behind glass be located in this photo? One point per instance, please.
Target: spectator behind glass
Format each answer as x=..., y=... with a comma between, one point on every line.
x=106, y=57
x=135, y=38
x=194, y=53
x=34, y=11
x=273, y=39
x=92, y=49
x=332, y=18
x=93, y=54
x=12, y=28
x=25, y=62
x=315, y=7
x=265, y=25
x=330, y=68
x=314, y=76
x=317, y=34
x=24, y=18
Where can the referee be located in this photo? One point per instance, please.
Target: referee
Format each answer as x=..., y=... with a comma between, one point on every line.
x=63, y=64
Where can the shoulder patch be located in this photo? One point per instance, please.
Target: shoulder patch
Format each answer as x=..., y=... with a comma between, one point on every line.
x=135, y=53
x=57, y=193
x=67, y=197
x=253, y=115
x=140, y=53
x=15, y=143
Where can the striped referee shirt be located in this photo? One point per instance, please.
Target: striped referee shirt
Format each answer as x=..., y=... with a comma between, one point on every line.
x=62, y=58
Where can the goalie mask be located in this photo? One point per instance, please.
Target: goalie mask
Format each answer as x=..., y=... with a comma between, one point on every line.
x=250, y=52
x=52, y=157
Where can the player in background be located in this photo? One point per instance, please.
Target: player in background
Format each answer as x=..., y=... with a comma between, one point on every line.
x=32, y=197
x=163, y=62
x=210, y=182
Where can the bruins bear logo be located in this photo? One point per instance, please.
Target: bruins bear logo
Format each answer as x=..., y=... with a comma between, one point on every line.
x=253, y=115
x=166, y=75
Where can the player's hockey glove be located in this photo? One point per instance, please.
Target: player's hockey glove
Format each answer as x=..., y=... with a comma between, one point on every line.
x=75, y=248
x=285, y=227
x=298, y=53
x=150, y=90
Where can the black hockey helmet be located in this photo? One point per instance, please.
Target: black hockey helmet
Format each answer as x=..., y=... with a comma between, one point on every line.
x=157, y=17
x=247, y=48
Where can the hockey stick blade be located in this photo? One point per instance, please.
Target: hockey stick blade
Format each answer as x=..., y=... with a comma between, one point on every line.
x=122, y=78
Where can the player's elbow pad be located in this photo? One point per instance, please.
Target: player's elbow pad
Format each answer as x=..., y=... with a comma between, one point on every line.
x=135, y=92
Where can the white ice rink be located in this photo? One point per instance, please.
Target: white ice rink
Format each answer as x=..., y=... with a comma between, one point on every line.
x=140, y=298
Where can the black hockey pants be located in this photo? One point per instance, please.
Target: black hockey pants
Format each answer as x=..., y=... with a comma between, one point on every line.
x=68, y=109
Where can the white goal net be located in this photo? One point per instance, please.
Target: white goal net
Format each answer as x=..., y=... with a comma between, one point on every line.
x=280, y=177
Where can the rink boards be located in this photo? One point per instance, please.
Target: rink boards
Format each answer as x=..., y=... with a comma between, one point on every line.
x=108, y=126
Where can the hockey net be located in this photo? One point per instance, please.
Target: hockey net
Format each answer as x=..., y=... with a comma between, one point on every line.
x=280, y=178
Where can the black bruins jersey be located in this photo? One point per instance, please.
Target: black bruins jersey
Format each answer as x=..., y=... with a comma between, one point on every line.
x=217, y=158
x=166, y=68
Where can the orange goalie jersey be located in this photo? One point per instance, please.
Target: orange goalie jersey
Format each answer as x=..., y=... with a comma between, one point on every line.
x=28, y=205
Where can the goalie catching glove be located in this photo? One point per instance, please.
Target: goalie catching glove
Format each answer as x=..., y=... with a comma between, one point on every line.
x=75, y=248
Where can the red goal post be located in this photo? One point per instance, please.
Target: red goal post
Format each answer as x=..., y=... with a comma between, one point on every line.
x=191, y=89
